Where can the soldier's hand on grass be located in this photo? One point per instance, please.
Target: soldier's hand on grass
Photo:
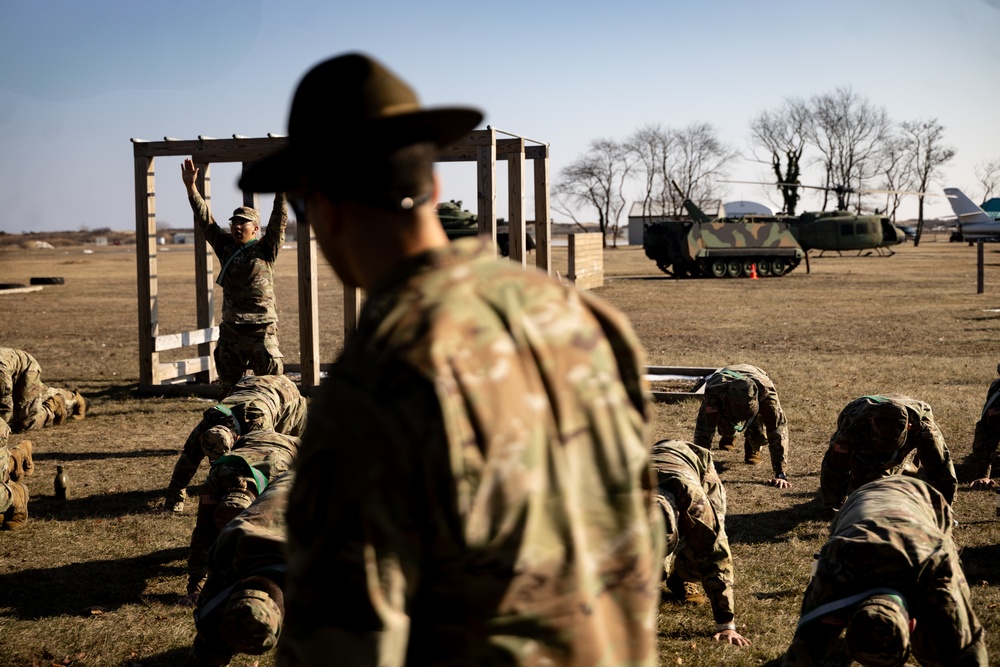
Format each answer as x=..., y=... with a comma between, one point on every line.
x=983, y=484
x=779, y=481
x=731, y=637
x=189, y=600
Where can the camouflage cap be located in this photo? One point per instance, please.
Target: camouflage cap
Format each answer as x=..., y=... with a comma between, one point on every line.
x=671, y=515
x=889, y=421
x=231, y=505
x=246, y=213
x=252, y=619
x=741, y=400
x=878, y=634
x=216, y=441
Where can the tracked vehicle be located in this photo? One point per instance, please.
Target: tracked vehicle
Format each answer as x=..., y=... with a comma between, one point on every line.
x=707, y=247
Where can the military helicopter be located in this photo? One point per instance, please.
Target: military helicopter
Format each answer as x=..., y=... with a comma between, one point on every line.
x=842, y=230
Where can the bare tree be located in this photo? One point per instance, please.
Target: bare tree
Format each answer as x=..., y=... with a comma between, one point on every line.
x=596, y=179
x=988, y=173
x=784, y=135
x=895, y=177
x=848, y=131
x=649, y=146
x=699, y=160
x=925, y=155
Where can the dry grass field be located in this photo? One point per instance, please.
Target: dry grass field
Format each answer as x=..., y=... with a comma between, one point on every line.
x=95, y=581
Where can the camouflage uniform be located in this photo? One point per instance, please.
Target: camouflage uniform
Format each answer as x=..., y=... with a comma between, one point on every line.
x=15, y=465
x=248, y=335
x=769, y=427
x=251, y=546
x=987, y=436
x=25, y=402
x=257, y=402
x=892, y=537
x=257, y=458
x=854, y=458
x=474, y=487
x=688, y=485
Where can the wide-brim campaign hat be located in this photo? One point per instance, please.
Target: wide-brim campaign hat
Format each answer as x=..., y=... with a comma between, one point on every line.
x=350, y=104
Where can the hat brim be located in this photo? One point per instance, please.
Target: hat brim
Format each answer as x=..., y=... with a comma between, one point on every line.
x=281, y=171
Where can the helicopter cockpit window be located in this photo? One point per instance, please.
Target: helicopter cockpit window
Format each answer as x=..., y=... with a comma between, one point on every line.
x=846, y=229
x=861, y=228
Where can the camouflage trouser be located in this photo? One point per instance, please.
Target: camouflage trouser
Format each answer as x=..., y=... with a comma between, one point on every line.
x=242, y=346
x=24, y=399
x=836, y=479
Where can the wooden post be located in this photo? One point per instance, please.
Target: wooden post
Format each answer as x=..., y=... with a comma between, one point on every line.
x=145, y=257
x=514, y=150
x=486, y=171
x=543, y=223
x=308, y=303
x=352, y=310
x=979, y=266
x=204, y=283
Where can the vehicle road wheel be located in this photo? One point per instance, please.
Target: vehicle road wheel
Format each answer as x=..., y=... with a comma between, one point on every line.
x=747, y=267
x=763, y=268
x=778, y=266
x=718, y=268
x=734, y=268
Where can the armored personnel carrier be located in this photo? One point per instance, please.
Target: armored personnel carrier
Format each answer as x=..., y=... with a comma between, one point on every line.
x=721, y=248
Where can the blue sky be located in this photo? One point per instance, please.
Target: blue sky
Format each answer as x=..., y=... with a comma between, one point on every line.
x=78, y=79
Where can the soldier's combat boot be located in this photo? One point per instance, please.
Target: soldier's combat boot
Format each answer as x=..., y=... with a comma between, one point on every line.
x=21, y=463
x=17, y=514
x=752, y=459
x=56, y=404
x=727, y=444
x=79, y=410
x=685, y=591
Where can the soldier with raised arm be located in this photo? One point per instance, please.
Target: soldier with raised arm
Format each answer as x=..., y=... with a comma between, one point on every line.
x=879, y=436
x=742, y=398
x=248, y=334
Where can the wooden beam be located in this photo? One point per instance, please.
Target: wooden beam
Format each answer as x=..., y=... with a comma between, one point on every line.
x=21, y=290
x=204, y=284
x=175, y=369
x=486, y=172
x=543, y=221
x=185, y=338
x=514, y=149
x=352, y=310
x=471, y=153
x=146, y=279
x=308, y=303
x=211, y=150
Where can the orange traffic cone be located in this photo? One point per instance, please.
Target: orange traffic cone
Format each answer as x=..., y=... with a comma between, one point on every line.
x=753, y=272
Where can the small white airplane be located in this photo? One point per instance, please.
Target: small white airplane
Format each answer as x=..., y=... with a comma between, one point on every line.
x=974, y=223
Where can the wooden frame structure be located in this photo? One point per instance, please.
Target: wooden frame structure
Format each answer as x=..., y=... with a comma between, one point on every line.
x=480, y=146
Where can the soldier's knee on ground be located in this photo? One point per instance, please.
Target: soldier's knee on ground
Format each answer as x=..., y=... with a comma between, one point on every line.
x=17, y=514
x=56, y=405
x=252, y=619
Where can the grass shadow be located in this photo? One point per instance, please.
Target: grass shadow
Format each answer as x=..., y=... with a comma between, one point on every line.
x=773, y=526
x=980, y=564
x=46, y=592
x=171, y=658
x=97, y=456
x=106, y=506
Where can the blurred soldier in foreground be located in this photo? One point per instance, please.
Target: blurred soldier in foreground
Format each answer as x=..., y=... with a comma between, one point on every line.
x=248, y=335
x=242, y=606
x=234, y=481
x=693, y=501
x=742, y=398
x=15, y=465
x=986, y=439
x=473, y=486
x=27, y=403
x=890, y=575
x=257, y=403
x=876, y=437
